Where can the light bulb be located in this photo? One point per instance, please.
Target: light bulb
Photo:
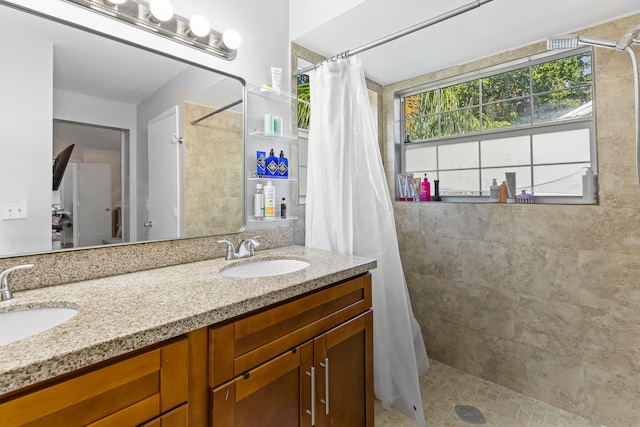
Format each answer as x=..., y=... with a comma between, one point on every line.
x=116, y=2
x=161, y=10
x=199, y=25
x=231, y=39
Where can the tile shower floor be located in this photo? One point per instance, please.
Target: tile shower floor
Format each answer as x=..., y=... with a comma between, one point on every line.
x=444, y=387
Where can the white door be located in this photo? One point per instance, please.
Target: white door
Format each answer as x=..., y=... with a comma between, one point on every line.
x=163, y=147
x=92, y=213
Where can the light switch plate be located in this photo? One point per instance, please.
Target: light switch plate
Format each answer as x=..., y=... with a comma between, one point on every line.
x=14, y=210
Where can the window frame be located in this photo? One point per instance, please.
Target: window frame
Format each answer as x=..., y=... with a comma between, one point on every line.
x=531, y=129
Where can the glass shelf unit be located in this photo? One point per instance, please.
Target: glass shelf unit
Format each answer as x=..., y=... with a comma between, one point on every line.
x=254, y=177
x=276, y=219
x=268, y=92
x=284, y=137
x=260, y=102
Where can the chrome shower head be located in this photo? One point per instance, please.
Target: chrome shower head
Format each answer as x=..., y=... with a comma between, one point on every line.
x=572, y=42
x=566, y=42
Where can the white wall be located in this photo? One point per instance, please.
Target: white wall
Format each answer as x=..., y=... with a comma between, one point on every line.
x=305, y=15
x=26, y=85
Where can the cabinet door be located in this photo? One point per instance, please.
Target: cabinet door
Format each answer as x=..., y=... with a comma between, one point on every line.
x=274, y=394
x=343, y=358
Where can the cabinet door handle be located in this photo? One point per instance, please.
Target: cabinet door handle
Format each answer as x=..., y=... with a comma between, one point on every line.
x=312, y=374
x=325, y=365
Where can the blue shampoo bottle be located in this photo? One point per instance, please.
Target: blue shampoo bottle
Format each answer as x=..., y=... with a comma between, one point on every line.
x=272, y=165
x=283, y=165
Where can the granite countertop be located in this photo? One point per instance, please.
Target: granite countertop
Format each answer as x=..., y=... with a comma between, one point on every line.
x=119, y=314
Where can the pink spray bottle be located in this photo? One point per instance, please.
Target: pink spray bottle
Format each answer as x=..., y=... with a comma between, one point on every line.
x=425, y=194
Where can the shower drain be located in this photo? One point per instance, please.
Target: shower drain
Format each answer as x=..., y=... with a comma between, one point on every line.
x=470, y=414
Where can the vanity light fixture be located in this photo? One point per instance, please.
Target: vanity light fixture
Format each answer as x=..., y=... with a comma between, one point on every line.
x=161, y=10
x=231, y=39
x=157, y=16
x=199, y=26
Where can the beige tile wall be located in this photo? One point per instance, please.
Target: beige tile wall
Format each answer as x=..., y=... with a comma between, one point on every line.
x=542, y=299
x=213, y=171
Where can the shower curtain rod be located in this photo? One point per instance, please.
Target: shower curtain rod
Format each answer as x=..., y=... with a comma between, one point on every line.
x=219, y=110
x=450, y=14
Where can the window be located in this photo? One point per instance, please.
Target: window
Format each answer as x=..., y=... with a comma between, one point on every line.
x=304, y=106
x=535, y=119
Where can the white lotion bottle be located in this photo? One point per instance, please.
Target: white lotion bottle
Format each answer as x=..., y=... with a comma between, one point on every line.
x=494, y=192
x=269, y=200
x=258, y=202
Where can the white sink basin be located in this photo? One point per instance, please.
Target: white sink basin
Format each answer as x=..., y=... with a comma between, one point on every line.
x=17, y=325
x=264, y=268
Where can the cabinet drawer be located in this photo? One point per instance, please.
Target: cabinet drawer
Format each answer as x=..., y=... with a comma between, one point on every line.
x=238, y=346
x=130, y=391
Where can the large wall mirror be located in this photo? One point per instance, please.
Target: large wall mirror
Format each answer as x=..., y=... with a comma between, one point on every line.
x=106, y=143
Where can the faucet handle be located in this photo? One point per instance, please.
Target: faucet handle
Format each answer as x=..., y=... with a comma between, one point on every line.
x=231, y=250
x=5, y=290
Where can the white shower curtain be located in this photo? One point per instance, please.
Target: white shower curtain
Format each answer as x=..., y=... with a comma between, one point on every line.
x=349, y=210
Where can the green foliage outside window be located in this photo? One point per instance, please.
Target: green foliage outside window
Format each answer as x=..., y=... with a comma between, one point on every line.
x=304, y=98
x=550, y=91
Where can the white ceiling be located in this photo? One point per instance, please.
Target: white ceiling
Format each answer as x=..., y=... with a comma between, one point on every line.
x=494, y=27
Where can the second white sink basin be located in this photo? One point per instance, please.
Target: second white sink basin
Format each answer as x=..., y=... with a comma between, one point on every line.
x=264, y=268
x=17, y=325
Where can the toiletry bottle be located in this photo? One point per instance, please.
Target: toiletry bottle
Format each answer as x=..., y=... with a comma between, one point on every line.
x=494, y=192
x=283, y=209
x=510, y=178
x=276, y=79
x=269, y=200
x=258, y=202
x=589, y=194
x=283, y=165
x=272, y=165
x=425, y=195
x=268, y=124
x=503, y=192
x=277, y=125
x=261, y=163
x=417, y=184
x=436, y=191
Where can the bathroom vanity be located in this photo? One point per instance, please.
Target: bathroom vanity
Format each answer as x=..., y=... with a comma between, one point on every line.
x=185, y=345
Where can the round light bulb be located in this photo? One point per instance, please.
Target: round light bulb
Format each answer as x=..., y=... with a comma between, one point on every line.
x=162, y=10
x=199, y=25
x=231, y=39
x=116, y=1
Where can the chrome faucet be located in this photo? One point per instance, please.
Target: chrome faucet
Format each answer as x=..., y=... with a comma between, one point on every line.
x=246, y=248
x=5, y=290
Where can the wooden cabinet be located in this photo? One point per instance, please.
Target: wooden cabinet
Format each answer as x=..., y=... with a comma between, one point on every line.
x=125, y=392
x=306, y=362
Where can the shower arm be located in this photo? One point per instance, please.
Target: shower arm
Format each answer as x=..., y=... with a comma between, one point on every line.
x=623, y=45
x=628, y=38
